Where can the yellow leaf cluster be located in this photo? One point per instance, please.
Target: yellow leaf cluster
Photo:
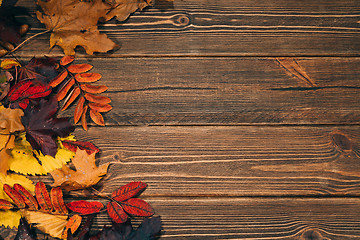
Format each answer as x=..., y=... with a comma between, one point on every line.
x=25, y=160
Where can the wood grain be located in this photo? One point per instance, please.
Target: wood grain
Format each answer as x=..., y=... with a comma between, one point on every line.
x=231, y=28
x=221, y=91
x=230, y=161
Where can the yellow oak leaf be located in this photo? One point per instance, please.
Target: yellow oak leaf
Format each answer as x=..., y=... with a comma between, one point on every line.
x=121, y=9
x=48, y=223
x=87, y=173
x=73, y=23
x=23, y=158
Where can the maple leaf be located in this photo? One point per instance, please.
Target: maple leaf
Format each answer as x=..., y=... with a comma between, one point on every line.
x=42, y=70
x=121, y=9
x=87, y=173
x=73, y=23
x=43, y=128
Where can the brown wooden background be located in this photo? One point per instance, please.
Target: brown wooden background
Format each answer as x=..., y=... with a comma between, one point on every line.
x=241, y=115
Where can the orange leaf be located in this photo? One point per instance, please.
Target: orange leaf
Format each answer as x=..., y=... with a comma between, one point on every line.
x=97, y=117
x=74, y=94
x=57, y=200
x=93, y=89
x=79, y=110
x=62, y=93
x=95, y=98
x=83, y=119
x=28, y=197
x=56, y=81
x=14, y=195
x=66, y=60
x=43, y=197
x=87, y=77
x=80, y=68
x=100, y=107
x=5, y=205
x=73, y=224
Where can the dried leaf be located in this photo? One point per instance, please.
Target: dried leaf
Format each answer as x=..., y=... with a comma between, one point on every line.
x=128, y=191
x=85, y=207
x=27, y=197
x=74, y=94
x=97, y=99
x=43, y=197
x=59, y=79
x=116, y=212
x=87, y=77
x=66, y=60
x=123, y=8
x=73, y=23
x=79, y=68
x=40, y=70
x=57, y=201
x=100, y=107
x=79, y=110
x=87, y=173
x=93, y=89
x=65, y=89
x=137, y=207
x=73, y=145
x=97, y=117
x=10, y=119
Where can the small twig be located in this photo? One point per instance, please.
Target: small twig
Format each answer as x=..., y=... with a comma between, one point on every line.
x=26, y=40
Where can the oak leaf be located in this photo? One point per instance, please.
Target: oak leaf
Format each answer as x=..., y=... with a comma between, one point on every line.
x=87, y=173
x=73, y=23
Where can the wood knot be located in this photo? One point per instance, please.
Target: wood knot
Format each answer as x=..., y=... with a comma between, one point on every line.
x=342, y=142
x=181, y=20
x=311, y=234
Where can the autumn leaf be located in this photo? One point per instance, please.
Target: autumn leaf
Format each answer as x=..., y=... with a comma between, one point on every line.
x=85, y=207
x=42, y=70
x=43, y=128
x=73, y=145
x=87, y=173
x=10, y=119
x=128, y=191
x=121, y=9
x=73, y=23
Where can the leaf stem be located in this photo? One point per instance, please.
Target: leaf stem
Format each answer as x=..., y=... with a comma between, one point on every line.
x=28, y=39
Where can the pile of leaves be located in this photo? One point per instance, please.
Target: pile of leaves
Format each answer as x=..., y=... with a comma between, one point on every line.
x=35, y=141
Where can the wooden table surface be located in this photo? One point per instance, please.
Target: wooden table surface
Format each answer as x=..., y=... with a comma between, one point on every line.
x=242, y=116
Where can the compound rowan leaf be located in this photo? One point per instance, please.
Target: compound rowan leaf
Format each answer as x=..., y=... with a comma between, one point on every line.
x=79, y=109
x=42, y=127
x=27, y=196
x=57, y=201
x=93, y=89
x=83, y=118
x=58, y=79
x=73, y=95
x=73, y=145
x=87, y=173
x=5, y=205
x=80, y=68
x=116, y=212
x=73, y=23
x=87, y=77
x=128, y=191
x=43, y=198
x=137, y=207
x=97, y=117
x=66, y=60
x=100, y=107
x=65, y=89
x=85, y=207
x=14, y=195
x=97, y=99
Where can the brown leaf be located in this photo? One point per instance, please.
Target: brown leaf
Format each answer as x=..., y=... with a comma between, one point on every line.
x=96, y=98
x=99, y=107
x=57, y=80
x=87, y=173
x=62, y=93
x=74, y=94
x=79, y=109
x=74, y=23
x=87, y=77
x=123, y=8
x=93, y=89
x=97, y=117
x=83, y=119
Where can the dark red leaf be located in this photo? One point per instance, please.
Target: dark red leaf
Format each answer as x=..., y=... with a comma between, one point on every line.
x=73, y=145
x=42, y=70
x=18, y=89
x=137, y=207
x=116, y=212
x=43, y=128
x=128, y=191
x=85, y=207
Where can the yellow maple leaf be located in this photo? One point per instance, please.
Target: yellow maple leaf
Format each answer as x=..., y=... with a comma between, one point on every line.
x=23, y=158
x=48, y=223
x=87, y=173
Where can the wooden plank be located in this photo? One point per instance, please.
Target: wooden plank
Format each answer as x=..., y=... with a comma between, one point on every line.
x=231, y=27
x=230, y=161
x=187, y=91
x=251, y=218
